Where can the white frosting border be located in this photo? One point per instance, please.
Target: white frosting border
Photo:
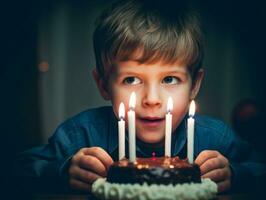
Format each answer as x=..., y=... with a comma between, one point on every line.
x=102, y=189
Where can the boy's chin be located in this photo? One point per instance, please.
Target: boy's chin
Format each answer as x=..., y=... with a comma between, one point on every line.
x=157, y=142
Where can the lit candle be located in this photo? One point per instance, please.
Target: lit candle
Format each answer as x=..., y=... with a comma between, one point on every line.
x=190, y=132
x=168, y=127
x=121, y=131
x=131, y=127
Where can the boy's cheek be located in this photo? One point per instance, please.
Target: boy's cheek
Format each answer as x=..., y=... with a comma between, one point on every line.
x=116, y=99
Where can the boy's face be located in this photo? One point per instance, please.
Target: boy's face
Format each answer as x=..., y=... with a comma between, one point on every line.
x=153, y=84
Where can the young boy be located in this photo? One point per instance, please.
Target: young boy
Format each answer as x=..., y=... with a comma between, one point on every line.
x=154, y=49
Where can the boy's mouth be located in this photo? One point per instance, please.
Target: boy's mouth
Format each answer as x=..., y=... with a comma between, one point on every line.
x=151, y=121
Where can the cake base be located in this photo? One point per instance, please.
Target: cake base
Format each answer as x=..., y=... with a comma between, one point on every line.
x=102, y=189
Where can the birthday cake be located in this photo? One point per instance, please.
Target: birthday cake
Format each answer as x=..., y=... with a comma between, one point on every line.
x=154, y=178
x=162, y=170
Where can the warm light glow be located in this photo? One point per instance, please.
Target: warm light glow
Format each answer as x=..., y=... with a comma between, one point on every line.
x=132, y=101
x=192, y=108
x=170, y=105
x=43, y=66
x=139, y=166
x=146, y=166
x=121, y=111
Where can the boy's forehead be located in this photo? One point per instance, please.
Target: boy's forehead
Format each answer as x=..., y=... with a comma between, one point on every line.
x=147, y=57
x=161, y=66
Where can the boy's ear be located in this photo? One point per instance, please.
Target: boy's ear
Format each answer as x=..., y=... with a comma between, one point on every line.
x=197, y=83
x=101, y=85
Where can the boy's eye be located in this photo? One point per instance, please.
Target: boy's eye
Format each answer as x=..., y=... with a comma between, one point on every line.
x=132, y=80
x=171, y=80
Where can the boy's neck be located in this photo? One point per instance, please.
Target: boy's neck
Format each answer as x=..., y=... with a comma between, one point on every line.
x=150, y=149
x=150, y=145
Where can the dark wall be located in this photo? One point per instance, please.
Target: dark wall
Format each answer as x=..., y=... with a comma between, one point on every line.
x=246, y=22
x=19, y=116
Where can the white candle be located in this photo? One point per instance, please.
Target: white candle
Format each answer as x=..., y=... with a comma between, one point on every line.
x=131, y=127
x=121, y=131
x=190, y=132
x=168, y=127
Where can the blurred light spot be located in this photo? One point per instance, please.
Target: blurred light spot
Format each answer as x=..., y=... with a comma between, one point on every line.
x=43, y=66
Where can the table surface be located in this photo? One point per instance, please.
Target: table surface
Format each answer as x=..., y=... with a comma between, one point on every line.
x=88, y=197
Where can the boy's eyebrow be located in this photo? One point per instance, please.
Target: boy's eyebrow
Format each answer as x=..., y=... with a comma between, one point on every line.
x=163, y=72
x=176, y=71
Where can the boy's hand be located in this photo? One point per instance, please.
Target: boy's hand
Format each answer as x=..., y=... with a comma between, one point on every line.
x=86, y=166
x=215, y=166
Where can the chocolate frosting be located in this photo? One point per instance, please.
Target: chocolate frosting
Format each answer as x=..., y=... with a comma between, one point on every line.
x=159, y=170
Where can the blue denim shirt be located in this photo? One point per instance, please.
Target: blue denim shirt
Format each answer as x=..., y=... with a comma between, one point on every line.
x=44, y=168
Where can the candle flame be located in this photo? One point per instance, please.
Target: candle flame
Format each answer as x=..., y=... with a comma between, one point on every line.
x=170, y=104
x=192, y=108
x=121, y=110
x=132, y=101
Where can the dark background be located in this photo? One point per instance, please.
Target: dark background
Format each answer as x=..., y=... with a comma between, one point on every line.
x=34, y=101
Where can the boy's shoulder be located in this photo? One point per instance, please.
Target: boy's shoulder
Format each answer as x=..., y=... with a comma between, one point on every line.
x=92, y=123
x=92, y=116
x=210, y=124
x=88, y=128
x=97, y=115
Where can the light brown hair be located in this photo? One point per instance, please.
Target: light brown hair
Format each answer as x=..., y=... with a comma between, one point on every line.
x=148, y=31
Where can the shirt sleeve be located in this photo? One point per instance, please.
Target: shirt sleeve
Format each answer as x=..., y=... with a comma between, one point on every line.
x=248, y=166
x=43, y=169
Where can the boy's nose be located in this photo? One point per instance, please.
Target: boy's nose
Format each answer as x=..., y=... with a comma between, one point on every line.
x=152, y=97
